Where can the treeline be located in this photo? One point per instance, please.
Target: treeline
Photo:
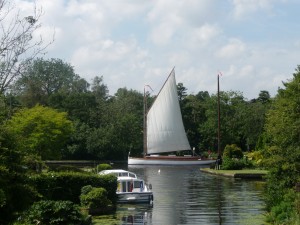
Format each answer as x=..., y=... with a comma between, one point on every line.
x=109, y=127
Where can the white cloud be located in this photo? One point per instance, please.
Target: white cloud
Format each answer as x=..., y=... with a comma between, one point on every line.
x=235, y=48
x=245, y=7
x=132, y=43
x=105, y=51
x=169, y=19
x=162, y=34
x=206, y=32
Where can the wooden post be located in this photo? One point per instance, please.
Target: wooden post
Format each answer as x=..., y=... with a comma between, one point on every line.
x=219, y=124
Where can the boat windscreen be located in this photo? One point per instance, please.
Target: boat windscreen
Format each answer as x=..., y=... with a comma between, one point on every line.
x=138, y=184
x=132, y=175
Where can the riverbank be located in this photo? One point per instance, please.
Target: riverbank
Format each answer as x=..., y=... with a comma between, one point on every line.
x=238, y=174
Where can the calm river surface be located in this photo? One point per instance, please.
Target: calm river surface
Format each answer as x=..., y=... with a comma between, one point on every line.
x=185, y=195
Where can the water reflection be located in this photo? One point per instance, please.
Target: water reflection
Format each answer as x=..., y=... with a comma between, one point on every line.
x=185, y=195
x=138, y=214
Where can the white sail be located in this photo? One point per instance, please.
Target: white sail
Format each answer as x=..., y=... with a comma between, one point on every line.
x=165, y=130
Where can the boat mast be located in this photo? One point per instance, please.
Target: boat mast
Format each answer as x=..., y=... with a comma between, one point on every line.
x=219, y=125
x=145, y=123
x=145, y=120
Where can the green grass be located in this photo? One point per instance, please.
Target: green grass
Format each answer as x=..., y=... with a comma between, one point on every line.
x=232, y=172
x=106, y=220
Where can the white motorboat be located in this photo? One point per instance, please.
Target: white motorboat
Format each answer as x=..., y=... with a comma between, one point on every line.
x=131, y=189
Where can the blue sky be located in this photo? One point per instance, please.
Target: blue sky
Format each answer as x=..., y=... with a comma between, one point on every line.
x=255, y=43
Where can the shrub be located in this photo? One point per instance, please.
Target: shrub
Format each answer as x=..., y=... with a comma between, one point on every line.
x=103, y=166
x=96, y=199
x=232, y=151
x=256, y=157
x=286, y=211
x=54, y=212
x=86, y=189
x=231, y=164
x=236, y=164
x=2, y=198
x=67, y=185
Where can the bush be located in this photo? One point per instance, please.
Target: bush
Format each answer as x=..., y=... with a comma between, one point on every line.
x=233, y=151
x=54, y=212
x=95, y=199
x=15, y=198
x=232, y=164
x=67, y=185
x=256, y=157
x=103, y=166
x=86, y=189
x=236, y=164
x=286, y=211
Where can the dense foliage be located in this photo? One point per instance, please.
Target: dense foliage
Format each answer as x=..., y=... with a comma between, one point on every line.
x=281, y=151
x=232, y=151
x=54, y=212
x=16, y=193
x=41, y=131
x=68, y=185
x=95, y=200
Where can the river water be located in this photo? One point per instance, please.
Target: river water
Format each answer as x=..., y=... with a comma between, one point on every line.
x=185, y=195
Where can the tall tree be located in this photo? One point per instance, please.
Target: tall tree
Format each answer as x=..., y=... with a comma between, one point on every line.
x=17, y=45
x=99, y=89
x=42, y=78
x=282, y=150
x=232, y=116
x=181, y=90
x=126, y=118
x=41, y=131
x=193, y=114
x=283, y=128
x=16, y=194
x=254, y=114
x=264, y=97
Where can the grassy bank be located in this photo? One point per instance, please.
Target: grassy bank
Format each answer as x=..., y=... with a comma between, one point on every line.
x=243, y=174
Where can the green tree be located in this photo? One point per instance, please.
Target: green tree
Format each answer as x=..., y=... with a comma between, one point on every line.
x=99, y=89
x=264, y=97
x=42, y=78
x=232, y=117
x=77, y=146
x=41, y=131
x=181, y=90
x=15, y=192
x=193, y=113
x=282, y=146
x=126, y=121
x=254, y=114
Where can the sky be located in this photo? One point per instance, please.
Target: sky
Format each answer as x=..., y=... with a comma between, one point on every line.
x=255, y=44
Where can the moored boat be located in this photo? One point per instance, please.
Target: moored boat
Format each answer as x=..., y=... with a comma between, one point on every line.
x=131, y=189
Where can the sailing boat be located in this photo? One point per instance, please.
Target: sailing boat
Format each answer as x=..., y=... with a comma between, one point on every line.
x=164, y=131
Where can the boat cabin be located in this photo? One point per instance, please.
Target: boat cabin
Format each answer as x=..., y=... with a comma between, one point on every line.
x=126, y=184
x=130, y=189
